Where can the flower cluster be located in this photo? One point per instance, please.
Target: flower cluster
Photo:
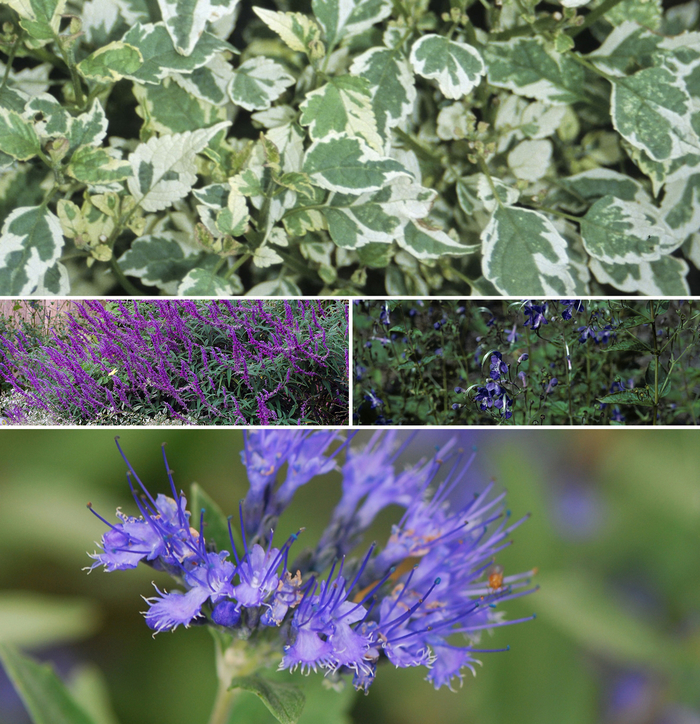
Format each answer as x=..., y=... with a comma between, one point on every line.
x=433, y=579
x=222, y=361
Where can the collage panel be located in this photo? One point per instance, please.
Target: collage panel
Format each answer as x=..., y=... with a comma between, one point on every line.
x=265, y=569
x=526, y=362
x=174, y=362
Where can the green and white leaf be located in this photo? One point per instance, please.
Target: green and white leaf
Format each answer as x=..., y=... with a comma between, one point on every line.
x=598, y=182
x=527, y=68
x=457, y=67
x=627, y=46
x=265, y=256
x=343, y=105
x=92, y=165
x=89, y=128
x=276, y=116
x=17, y=136
x=163, y=260
x=300, y=222
x=626, y=232
x=348, y=165
x=55, y=282
x=424, y=241
x=47, y=116
x=164, y=168
x=341, y=19
x=111, y=62
x=31, y=243
x=652, y=110
x=258, y=82
x=680, y=207
x=169, y=108
x=391, y=86
x=354, y=221
x=31, y=81
x=507, y=194
x=524, y=254
x=208, y=83
x=186, y=19
x=664, y=277
x=205, y=283
x=529, y=160
x=40, y=18
x=234, y=219
x=160, y=58
x=298, y=31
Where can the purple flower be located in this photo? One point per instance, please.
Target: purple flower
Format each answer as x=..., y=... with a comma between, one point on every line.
x=512, y=337
x=571, y=306
x=498, y=367
x=373, y=400
x=534, y=314
x=493, y=395
x=551, y=385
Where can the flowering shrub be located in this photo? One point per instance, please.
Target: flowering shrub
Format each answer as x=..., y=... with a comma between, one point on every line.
x=211, y=147
x=551, y=362
x=213, y=362
x=324, y=608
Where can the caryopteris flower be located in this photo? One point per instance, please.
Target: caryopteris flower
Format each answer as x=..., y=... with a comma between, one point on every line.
x=422, y=599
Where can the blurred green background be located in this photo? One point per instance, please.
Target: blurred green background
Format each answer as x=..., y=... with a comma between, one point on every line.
x=615, y=534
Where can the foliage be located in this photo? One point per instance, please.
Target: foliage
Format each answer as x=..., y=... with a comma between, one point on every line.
x=210, y=362
x=563, y=362
x=409, y=147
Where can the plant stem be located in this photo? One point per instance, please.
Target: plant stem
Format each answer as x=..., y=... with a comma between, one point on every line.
x=126, y=284
x=222, y=704
x=655, y=407
x=594, y=15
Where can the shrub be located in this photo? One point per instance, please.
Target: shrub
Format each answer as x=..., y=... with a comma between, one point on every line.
x=211, y=362
x=550, y=362
x=514, y=147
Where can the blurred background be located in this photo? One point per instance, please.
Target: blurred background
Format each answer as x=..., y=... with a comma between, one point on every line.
x=615, y=534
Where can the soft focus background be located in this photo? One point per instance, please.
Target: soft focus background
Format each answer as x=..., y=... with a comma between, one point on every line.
x=615, y=533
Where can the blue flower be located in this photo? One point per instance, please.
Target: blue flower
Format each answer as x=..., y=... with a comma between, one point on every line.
x=494, y=395
x=373, y=400
x=571, y=306
x=512, y=337
x=534, y=314
x=498, y=367
x=404, y=602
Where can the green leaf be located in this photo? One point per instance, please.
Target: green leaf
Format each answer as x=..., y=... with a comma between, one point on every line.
x=525, y=254
x=187, y=19
x=341, y=19
x=96, y=166
x=164, y=169
x=31, y=243
x=626, y=345
x=17, y=137
x=111, y=63
x=626, y=232
x=599, y=182
x=457, y=67
x=665, y=277
x=285, y=701
x=296, y=30
x=42, y=692
x=680, y=207
x=33, y=619
x=348, y=165
x=525, y=67
x=637, y=396
x=354, y=221
x=258, y=82
x=627, y=47
x=160, y=58
x=652, y=110
x=163, y=260
x=584, y=609
x=343, y=105
x=391, y=85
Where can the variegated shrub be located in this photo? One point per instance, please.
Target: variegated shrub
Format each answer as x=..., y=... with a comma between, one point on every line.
x=349, y=146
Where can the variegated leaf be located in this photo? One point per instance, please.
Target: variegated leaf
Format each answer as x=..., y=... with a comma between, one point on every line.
x=523, y=254
x=626, y=232
x=206, y=283
x=298, y=31
x=680, y=207
x=92, y=165
x=111, y=62
x=664, y=278
x=426, y=242
x=258, y=82
x=164, y=168
x=31, y=243
x=348, y=165
x=343, y=105
x=391, y=86
x=17, y=137
x=40, y=18
x=341, y=19
x=457, y=67
x=186, y=19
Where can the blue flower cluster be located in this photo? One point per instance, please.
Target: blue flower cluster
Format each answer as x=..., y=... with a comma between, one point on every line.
x=421, y=600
